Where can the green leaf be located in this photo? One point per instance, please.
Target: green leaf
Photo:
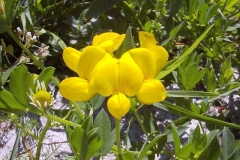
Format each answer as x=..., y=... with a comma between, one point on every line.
x=179, y=121
x=176, y=139
x=201, y=143
x=59, y=41
x=186, y=151
x=149, y=122
x=6, y=74
x=20, y=83
x=196, y=136
x=160, y=138
x=225, y=72
x=8, y=103
x=175, y=30
x=127, y=43
x=184, y=112
x=211, y=12
x=203, y=11
x=87, y=125
x=210, y=80
x=79, y=143
x=193, y=76
x=97, y=101
x=228, y=142
x=10, y=10
x=178, y=62
x=98, y=7
x=126, y=156
x=15, y=146
x=236, y=154
x=45, y=76
x=212, y=150
x=179, y=93
x=226, y=91
x=103, y=124
x=231, y=3
x=195, y=108
x=182, y=76
x=94, y=143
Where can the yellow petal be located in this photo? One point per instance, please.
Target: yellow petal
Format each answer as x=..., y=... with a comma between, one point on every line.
x=130, y=77
x=71, y=57
x=118, y=41
x=161, y=58
x=118, y=105
x=106, y=76
x=109, y=41
x=98, y=39
x=90, y=57
x=152, y=91
x=145, y=61
x=76, y=89
x=147, y=40
x=113, y=75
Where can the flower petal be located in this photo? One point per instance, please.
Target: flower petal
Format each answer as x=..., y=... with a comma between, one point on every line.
x=90, y=57
x=113, y=75
x=145, y=61
x=152, y=91
x=106, y=76
x=161, y=58
x=71, y=57
x=109, y=41
x=118, y=105
x=76, y=89
x=130, y=77
x=147, y=40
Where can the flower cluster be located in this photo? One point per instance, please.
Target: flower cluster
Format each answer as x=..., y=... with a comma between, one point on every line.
x=117, y=78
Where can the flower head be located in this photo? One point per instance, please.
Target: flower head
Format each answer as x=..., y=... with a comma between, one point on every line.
x=150, y=58
x=131, y=75
x=42, y=98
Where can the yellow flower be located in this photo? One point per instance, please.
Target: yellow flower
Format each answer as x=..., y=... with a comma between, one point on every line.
x=150, y=58
x=117, y=78
x=161, y=55
x=42, y=98
x=83, y=63
x=109, y=41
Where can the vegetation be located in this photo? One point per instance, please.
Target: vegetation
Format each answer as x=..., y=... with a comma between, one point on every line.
x=202, y=41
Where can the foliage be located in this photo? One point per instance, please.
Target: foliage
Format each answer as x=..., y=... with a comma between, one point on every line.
x=202, y=40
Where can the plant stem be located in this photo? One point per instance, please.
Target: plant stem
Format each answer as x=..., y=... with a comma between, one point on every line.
x=118, y=141
x=78, y=109
x=140, y=122
x=42, y=135
x=63, y=121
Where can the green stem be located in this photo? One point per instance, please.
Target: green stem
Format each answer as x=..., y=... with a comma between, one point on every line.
x=78, y=109
x=118, y=140
x=140, y=122
x=25, y=130
x=42, y=135
x=63, y=121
